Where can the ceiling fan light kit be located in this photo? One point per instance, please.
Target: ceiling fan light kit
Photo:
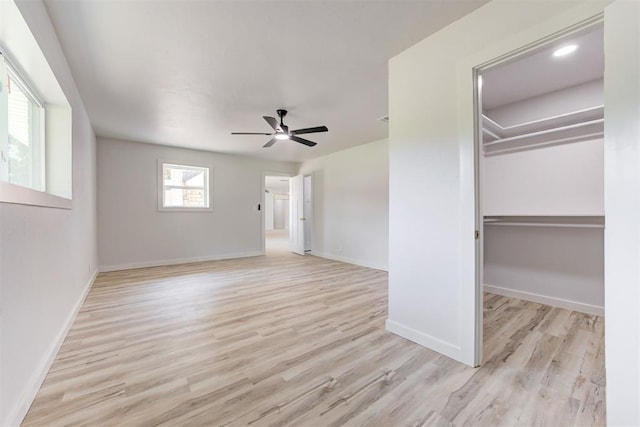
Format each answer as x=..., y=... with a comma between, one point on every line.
x=282, y=131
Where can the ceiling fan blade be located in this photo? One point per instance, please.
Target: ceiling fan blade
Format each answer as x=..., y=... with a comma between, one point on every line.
x=272, y=122
x=310, y=130
x=302, y=141
x=250, y=133
x=270, y=143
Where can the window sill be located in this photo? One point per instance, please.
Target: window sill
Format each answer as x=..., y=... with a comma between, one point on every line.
x=15, y=194
x=161, y=209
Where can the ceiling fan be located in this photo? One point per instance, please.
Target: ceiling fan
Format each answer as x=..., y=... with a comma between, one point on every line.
x=282, y=131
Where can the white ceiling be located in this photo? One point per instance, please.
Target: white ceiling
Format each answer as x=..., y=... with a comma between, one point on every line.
x=539, y=72
x=187, y=73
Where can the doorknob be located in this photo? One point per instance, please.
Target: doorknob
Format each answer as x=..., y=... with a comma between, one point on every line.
x=303, y=219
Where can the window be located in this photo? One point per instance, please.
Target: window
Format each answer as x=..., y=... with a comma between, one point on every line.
x=184, y=187
x=22, y=138
x=36, y=132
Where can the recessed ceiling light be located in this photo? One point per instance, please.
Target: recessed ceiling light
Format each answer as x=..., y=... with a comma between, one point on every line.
x=565, y=50
x=282, y=136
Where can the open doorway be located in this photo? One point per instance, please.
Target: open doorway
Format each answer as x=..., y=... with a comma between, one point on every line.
x=276, y=213
x=540, y=187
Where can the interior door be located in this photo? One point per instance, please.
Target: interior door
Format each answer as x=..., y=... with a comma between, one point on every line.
x=296, y=214
x=308, y=213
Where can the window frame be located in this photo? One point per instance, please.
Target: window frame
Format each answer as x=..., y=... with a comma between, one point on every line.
x=184, y=164
x=36, y=129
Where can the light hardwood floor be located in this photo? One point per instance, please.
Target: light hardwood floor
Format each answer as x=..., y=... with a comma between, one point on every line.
x=291, y=340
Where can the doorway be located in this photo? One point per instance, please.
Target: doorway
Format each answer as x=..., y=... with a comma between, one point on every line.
x=540, y=178
x=276, y=213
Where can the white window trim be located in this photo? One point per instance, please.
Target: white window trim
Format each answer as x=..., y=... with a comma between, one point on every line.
x=17, y=194
x=19, y=80
x=186, y=163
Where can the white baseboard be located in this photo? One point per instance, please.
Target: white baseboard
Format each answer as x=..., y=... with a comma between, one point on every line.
x=159, y=263
x=425, y=340
x=16, y=416
x=349, y=260
x=547, y=300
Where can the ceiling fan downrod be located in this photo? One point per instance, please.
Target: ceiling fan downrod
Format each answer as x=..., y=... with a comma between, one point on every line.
x=281, y=114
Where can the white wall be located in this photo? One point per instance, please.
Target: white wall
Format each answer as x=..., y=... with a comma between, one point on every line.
x=559, y=180
x=48, y=256
x=350, y=204
x=433, y=298
x=622, y=206
x=281, y=213
x=133, y=233
x=558, y=266
x=268, y=211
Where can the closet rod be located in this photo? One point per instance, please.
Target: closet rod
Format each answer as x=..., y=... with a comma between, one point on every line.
x=544, y=132
x=559, y=141
x=544, y=224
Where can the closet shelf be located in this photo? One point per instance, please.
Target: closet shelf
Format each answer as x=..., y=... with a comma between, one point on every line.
x=599, y=123
x=560, y=135
x=558, y=120
x=545, y=224
x=575, y=126
x=547, y=221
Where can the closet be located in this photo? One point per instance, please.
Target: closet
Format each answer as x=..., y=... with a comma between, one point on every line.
x=542, y=174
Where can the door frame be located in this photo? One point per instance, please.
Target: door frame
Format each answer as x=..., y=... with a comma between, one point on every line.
x=263, y=231
x=476, y=71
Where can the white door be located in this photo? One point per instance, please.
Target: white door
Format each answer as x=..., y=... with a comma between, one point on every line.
x=296, y=214
x=308, y=213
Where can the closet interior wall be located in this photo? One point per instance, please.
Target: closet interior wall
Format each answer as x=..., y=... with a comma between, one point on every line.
x=543, y=197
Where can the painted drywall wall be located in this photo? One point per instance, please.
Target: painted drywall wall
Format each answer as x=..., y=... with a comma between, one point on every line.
x=133, y=233
x=559, y=266
x=622, y=207
x=268, y=211
x=560, y=180
x=281, y=213
x=433, y=298
x=350, y=204
x=48, y=256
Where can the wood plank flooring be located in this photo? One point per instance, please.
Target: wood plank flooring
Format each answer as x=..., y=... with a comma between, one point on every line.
x=291, y=340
